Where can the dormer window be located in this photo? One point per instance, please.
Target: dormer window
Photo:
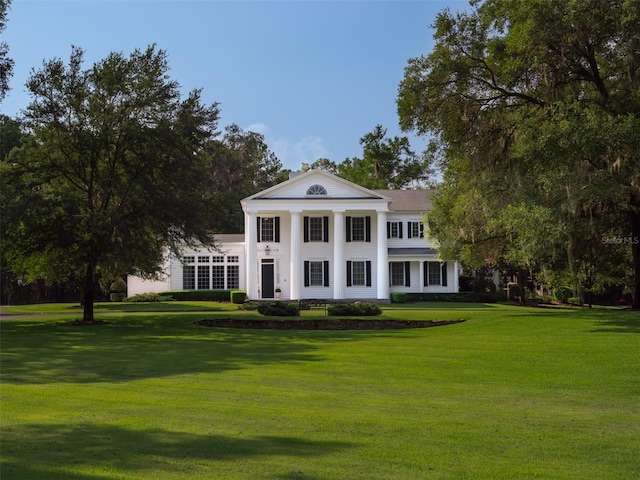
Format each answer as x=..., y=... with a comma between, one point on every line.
x=316, y=190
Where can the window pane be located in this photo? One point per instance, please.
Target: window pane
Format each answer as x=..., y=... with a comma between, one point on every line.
x=357, y=229
x=217, y=259
x=203, y=259
x=218, y=277
x=434, y=273
x=232, y=259
x=266, y=229
x=357, y=273
x=315, y=229
x=397, y=273
x=394, y=229
x=189, y=277
x=203, y=277
x=233, y=277
x=315, y=273
x=189, y=259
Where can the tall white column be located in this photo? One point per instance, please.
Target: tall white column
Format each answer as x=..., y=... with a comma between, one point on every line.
x=383, y=258
x=251, y=255
x=421, y=269
x=294, y=274
x=456, y=277
x=339, y=275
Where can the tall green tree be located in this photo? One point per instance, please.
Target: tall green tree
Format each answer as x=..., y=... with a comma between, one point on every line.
x=501, y=83
x=241, y=164
x=6, y=63
x=113, y=170
x=386, y=163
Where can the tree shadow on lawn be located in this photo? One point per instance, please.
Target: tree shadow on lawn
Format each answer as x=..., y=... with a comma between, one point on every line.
x=46, y=451
x=609, y=320
x=37, y=352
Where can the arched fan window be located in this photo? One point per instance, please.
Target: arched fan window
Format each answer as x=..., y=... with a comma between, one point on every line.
x=316, y=190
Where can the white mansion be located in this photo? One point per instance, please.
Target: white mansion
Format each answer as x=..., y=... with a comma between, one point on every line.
x=318, y=236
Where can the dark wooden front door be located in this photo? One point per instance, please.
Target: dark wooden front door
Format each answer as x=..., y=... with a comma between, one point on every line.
x=268, y=285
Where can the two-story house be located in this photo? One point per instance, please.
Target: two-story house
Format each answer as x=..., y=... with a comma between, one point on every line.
x=319, y=236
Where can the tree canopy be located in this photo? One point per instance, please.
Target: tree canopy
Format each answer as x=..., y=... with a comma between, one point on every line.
x=6, y=63
x=386, y=163
x=534, y=112
x=113, y=170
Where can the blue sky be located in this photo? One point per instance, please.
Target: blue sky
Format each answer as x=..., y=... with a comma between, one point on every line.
x=312, y=76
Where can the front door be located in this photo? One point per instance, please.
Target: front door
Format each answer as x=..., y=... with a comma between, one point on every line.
x=268, y=284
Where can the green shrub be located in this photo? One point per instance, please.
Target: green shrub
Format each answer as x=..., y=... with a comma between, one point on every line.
x=398, y=297
x=354, y=309
x=514, y=291
x=478, y=297
x=117, y=297
x=149, y=297
x=201, y=295
x=279, y=309
x=238, y=296
x=562, y=294
x=119, y=286
x=575, y=300
x=250, y=305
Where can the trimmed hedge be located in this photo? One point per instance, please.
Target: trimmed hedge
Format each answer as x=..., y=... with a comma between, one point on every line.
x=355, y=309
x=238, y=296
x=279, y=309
x=200, y=295
x=478, y=297
x=149, y=297
x=398, y=297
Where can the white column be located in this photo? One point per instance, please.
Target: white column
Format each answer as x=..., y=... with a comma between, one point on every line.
x=456, y=278
x=339, y=275
x=251, y=255
x=383, y=258
x=294, y=275
x=421, y=268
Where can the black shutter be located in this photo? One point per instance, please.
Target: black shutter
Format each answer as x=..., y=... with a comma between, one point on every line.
x=368, y=272
x=325, y=229
x=348, y=229
x=349, y=282
x=258, y=227
x=399, y=229
x=408, y=229
x=444, y=274
x=306, y=228
x=425, y=267
x=367, y=226
x=306, y=273
x=326, y=273
x=276, y=228
x=407, y=274
x=388, y=229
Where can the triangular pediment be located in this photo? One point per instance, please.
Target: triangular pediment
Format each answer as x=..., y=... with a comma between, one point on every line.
x=316, y=185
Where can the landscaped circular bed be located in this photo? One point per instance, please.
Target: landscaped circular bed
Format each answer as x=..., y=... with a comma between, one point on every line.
x=322, y=324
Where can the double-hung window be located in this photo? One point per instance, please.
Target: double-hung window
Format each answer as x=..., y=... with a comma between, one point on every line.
x=416, y=230
x=358, y=229
x=358, y=273
x=394, y=229
x=316, y=273
x=316, y=229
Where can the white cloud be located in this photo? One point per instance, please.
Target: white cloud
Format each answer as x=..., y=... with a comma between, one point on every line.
x=293, y=153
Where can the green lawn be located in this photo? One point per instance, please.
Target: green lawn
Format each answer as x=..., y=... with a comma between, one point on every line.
x=512, y=393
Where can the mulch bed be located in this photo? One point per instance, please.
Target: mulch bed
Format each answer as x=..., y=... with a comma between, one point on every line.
x=323, y=324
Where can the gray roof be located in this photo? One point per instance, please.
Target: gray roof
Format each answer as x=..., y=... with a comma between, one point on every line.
x=408, y=200
x=229, y=237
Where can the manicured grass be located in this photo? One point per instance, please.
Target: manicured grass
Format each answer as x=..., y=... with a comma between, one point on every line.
x=512, y=393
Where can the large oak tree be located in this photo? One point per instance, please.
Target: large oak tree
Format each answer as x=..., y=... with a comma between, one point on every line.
x=112, y=170
x=535, y=106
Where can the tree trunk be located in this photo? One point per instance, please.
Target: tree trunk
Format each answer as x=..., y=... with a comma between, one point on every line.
x=635, y=252
x=521, y=287
x=89, y=291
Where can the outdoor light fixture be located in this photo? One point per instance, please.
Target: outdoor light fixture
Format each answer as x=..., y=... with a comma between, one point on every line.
x=267, y=250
